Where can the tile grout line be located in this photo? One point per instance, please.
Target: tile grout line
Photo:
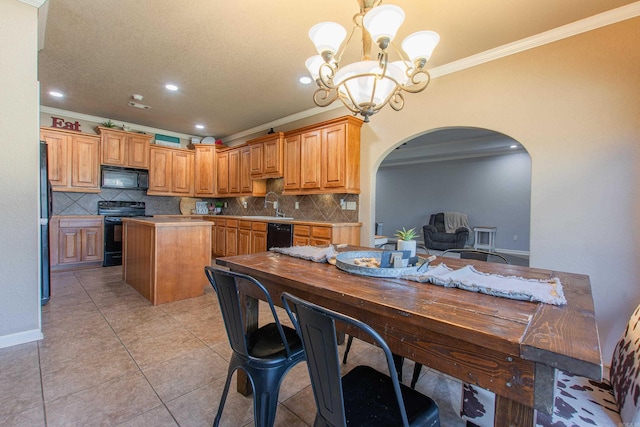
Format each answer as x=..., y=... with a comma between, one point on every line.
x=44, y=403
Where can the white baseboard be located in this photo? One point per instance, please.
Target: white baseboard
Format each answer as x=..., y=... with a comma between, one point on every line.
x=20, y=338
x=512, y=252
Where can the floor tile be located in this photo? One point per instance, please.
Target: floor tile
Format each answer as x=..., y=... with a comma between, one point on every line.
x=185, y=373
x=155, y=349
x=156, y=417
x=109, y=403
x=85, y=372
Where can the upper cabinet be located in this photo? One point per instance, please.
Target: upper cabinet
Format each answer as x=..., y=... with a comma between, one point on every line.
x=73, y=160
x=267, y=156
x=126, y=149
x=171, y=171
x=233, y=177
x=323, y=158
x=204, y=182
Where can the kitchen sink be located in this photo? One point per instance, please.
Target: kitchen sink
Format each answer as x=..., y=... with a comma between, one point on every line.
x=267, y=217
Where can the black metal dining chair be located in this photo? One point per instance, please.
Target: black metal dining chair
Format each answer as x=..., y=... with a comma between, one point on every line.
x=266, y=354
x=364, y=396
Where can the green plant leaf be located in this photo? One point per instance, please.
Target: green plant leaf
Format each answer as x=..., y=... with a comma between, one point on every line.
x=405, y=234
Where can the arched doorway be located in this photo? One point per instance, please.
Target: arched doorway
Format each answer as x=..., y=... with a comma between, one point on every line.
x=479, y=172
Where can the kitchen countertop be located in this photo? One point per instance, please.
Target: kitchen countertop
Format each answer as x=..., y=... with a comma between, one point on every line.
x=263, y=218
x=170, y=220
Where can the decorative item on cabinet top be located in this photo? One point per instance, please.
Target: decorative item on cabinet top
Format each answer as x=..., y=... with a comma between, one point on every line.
x=167, y=141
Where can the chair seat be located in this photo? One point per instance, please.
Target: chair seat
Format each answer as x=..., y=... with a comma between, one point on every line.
x=578, y=402
x=266, y=342
x=581, y=401
x=370, y=400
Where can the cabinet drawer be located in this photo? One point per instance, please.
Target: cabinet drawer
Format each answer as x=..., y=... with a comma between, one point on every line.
x=259, y=226
x=232, y=223
x=321, y=232
x=301, y=230
x=246, y=225
x=81, y=222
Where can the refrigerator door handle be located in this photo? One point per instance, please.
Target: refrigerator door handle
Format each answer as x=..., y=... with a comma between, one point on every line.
x=44, y=221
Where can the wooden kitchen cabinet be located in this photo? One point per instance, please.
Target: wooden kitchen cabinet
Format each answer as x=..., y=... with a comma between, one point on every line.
x=267, y=156
x=125, y=149
x=233, y=177
x=73, y=160
x=170, y=172
x=323, y=158
x=231, y=237
x=204, y=181
x=220, y=238
x=319, y=235
x=76, y=241
x=258, y=237
x=244, y=237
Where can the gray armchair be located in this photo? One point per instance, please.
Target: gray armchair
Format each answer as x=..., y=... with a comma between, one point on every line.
x=435, y=236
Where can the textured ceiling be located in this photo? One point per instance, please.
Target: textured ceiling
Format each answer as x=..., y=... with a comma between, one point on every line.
x=237, y=63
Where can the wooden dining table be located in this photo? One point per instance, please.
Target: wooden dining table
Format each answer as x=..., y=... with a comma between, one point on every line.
x=507, y=346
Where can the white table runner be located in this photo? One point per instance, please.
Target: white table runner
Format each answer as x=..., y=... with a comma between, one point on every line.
x=513, y=287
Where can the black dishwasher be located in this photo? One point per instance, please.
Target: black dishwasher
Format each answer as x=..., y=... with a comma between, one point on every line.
x=279, y=235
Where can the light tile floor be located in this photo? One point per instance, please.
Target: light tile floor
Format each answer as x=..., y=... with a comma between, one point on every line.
x=111, y=358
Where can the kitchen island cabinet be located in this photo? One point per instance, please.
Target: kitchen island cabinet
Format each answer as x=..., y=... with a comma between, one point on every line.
x=164, y=258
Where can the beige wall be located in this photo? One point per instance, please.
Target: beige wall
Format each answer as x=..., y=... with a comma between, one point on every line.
x=19, y=278
x=575, y=106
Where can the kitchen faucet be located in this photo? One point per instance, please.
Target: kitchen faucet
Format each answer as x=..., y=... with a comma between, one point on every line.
x=275, y=204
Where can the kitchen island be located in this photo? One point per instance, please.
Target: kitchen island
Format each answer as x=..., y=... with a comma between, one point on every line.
x=164, y=258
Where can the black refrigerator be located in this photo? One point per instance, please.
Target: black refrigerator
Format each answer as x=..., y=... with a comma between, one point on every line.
x=45, y=215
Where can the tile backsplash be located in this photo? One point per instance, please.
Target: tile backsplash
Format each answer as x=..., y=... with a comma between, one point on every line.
x=314, y=207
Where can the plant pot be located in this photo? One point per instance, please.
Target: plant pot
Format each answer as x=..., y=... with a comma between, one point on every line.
x=407, y=245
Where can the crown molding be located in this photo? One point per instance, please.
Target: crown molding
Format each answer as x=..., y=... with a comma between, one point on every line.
x=36, y=3
x=96, y=119
x=582, y=26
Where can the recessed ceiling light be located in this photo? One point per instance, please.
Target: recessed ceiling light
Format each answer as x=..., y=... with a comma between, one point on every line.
x=200, y=126
x=171, y=86
x=56, y=94
x=305, y=80
x=513, y=146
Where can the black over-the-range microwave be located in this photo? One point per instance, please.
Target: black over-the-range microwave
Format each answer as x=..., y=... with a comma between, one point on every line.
x=124, y=178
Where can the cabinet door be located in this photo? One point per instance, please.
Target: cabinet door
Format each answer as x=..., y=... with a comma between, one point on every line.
x=160, y=170
x=138, y=152
x=85, y=162
x=334, y=151
x=221, y=237
x=58, y=158
x=204, y=174
x=292, y=163
x=222, y=173
x=258, y=241
x=231, y=241
x=92, y=247
x=272, y=157
x=234, y=171
x=246, y=183
x=114, y=149
x=182, y=172
x=244, y=242
x=69, y=245
x=310, y=157
x=255, y=166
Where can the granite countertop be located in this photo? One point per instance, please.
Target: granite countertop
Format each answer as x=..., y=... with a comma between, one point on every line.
x=263, y=218
x=169, y=220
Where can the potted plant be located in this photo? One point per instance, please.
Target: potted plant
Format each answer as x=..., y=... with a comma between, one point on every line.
x=219, y=206
x=406, y=240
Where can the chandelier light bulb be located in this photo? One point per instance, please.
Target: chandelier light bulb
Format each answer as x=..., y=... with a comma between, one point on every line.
x=327, y=37
x=420, y=45
x=382, y=23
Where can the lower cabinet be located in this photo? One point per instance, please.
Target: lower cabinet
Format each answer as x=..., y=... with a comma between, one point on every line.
x=76, y=241
x=231, y=237
x=244, y=237
x=258, y=237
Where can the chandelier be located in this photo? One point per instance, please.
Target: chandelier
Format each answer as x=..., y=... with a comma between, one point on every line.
x=366, y=86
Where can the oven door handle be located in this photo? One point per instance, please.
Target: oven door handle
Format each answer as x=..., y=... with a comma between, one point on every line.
x=113, y=220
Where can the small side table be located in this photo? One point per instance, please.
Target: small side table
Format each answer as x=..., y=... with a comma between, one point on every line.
x=485, y=238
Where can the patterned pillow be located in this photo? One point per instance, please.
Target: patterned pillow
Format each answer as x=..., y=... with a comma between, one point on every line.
x=625, y=367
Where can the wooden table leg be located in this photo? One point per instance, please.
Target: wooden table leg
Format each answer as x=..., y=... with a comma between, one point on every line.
x=243, y=384
x=512, y=414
